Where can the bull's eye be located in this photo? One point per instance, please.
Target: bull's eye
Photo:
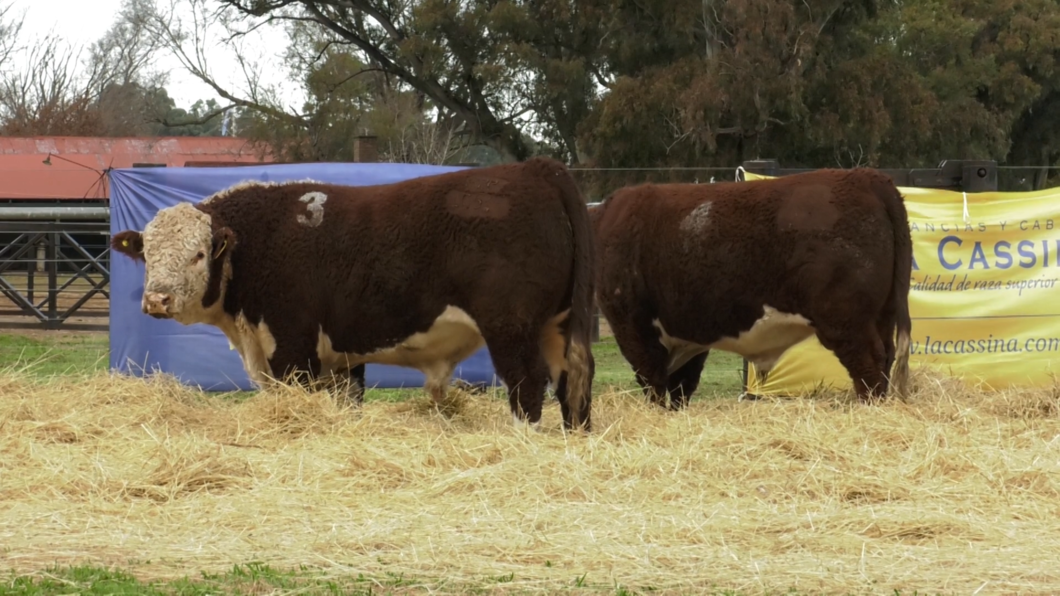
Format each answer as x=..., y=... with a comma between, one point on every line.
x=199, y=256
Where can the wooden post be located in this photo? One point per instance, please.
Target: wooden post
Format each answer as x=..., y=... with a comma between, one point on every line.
x=364, y=149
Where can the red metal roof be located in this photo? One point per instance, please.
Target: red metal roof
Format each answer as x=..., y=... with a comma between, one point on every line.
x=58, y=168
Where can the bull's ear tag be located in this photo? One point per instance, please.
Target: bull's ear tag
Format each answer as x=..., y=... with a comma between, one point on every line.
x=125, y=243
x=220, y=250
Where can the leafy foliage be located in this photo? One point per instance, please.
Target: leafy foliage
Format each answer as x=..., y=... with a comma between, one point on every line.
x=620, y=83
x=627, y=83
x=830, y=83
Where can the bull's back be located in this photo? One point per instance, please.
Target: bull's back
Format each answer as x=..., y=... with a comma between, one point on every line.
x=455, y=225
x=442, y=235
x=667, y=236
x=675, y=246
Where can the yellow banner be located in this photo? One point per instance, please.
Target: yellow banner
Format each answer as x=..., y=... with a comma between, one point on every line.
x=984, y=298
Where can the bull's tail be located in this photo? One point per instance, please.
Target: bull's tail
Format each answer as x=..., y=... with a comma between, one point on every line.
x=903, y=267
x=580, y=365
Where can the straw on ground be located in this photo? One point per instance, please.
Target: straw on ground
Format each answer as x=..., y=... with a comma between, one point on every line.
x=955, y=491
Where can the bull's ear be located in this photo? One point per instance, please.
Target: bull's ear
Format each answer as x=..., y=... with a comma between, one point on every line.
x=224, y=240
x=130, y=243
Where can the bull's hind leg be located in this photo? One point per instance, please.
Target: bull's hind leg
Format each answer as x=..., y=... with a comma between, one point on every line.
x=585, y=412
x=554, y=346
x=885, y=327
x=640, y=346
x=684, y=381
x=861, y=351
x=519, y=363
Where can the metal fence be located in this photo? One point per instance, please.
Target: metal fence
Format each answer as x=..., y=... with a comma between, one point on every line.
x=967, y=175
x=54, y=274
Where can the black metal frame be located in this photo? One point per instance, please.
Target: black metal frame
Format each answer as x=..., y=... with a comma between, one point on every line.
x=55, y=236
x=958, y=175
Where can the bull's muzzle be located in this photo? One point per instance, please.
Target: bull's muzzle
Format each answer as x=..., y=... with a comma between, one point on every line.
x=157, y=304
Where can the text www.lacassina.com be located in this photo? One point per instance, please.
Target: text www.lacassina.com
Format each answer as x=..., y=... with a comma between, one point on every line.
x=987, y=345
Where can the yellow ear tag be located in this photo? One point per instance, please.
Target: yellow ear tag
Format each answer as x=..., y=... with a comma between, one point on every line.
x=125, y=243
x=220, y=250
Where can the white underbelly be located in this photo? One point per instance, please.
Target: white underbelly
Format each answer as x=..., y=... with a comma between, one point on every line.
x=453, y=337
x=762, y=344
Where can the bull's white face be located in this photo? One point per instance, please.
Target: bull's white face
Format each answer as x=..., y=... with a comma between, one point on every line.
x=177, y=247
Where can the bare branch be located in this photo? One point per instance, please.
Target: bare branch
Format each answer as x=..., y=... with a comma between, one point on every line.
x=236, y=33
x=600, y=78
x=518, y=114
x=827, y=18
x=677, y=132
x=10, y=34
x=45, y=96
x=175, y=37
x=206, y=118
x=446, y=69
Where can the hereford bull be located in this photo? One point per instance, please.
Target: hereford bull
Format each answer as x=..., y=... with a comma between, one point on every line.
x=318, y=279
x=755, y=268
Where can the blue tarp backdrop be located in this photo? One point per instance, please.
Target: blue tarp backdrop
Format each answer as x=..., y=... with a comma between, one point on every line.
x=199, y=355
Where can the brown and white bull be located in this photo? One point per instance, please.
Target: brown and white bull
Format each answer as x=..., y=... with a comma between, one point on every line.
x=306, y=277
x=754, y=268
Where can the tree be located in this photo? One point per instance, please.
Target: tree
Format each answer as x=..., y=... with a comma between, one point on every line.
x=202, y=119
x=46, y=96
x=10, y=34
x=613, y=83
x=1024, y=40
x=702, y=79
x=440, y=51
x=490, y=68
x=344, y=96
x=828, y=82
x=110, y=93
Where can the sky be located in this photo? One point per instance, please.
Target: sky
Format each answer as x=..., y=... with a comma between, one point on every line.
x=81, y=22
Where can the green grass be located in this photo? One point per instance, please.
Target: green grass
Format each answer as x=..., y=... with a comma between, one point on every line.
x=259, y=579
x=60, y=354
x=722, y=374
x=242, y=579
x=66, y=353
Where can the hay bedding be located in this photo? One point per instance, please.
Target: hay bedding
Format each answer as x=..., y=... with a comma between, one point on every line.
x=954, y=491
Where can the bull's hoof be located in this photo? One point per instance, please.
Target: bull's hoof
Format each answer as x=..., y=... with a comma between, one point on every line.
x=661, y=402
x=473, y=388
x=676, y=405
x=585, y=428
x=522, y=424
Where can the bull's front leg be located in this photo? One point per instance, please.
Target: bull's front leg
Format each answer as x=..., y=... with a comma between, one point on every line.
x=294, y=358
x=257, y=366
x=300, y=363
x=347, y=385
x=255, y=346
